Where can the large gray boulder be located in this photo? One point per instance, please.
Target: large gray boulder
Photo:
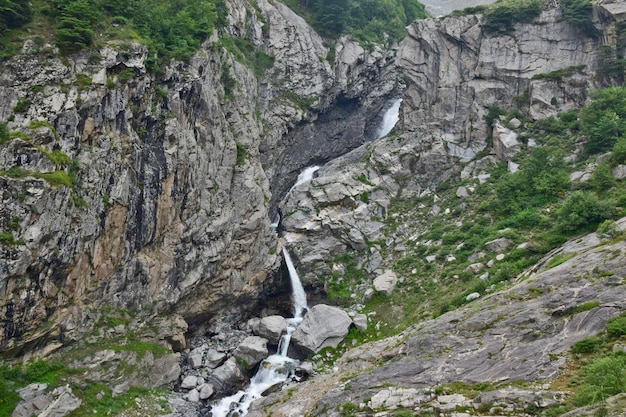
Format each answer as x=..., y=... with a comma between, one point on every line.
x=386, y=282
x=498, y=245
x=37, y=400
x=322, y=326
x=227, y=377
x=272, y=328
x=505, y=143
x=251, y=351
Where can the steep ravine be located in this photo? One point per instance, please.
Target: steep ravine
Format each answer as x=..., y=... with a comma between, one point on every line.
x=142, y=202
x=168, y=210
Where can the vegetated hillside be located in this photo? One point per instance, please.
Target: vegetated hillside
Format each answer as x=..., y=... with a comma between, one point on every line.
x=503, y=279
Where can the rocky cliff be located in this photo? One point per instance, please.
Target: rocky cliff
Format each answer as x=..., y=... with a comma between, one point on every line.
x=151, y=192
x=150, y=195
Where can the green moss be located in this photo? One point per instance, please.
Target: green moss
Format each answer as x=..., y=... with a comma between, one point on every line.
x=35, y=124
x=22, y=106
x=242, y=154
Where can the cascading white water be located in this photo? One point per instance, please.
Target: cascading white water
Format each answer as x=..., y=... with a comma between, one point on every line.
x=275, y=368
x=305, y=176
x=391, y=117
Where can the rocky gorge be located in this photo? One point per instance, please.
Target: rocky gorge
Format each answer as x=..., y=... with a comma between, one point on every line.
x=139, y=209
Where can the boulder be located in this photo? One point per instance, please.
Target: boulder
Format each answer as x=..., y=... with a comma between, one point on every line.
x=195, y=358
x=462, y=192
x=360, y=321
x=472, y=296
x=505, y=143
x=386, y=282
x=36, y=400
x=272, y=328
x=213, y=359
x=227, y=377
x=475, y=268
x=619, y=172
x=498, y=245
x=251, y=351
x=322, y=326
x=189, y=382
x=193, y=396
x=206, y=391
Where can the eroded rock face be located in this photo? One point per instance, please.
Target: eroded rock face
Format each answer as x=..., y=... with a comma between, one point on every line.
x=169, y=205
x=454, y=72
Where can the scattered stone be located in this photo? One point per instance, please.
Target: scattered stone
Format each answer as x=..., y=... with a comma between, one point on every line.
x=431, y=258
x=500, y=257
x=484, y=276
x=120, y=389
x=462, y=192
x=450, y=258
x=476, y=256
x=490, y=263
x=472, y=296
x=498, y=245
x=193, y=396
x=515, y=123
x=360, y=321
x=190, y=381
x=323, y=326
x=386, y=282
x=475, y=268
x=272, y=328
x=512, y=167
x=482, y=178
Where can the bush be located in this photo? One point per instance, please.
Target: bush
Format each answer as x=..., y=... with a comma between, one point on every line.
x=616, y=327
x=5, y=136
x=587, y=345
x=602, y=379
x=14, y=13
x=619, y=152
x=583, y=210
x=579, y=14
x=604, y=120
x=503, y=16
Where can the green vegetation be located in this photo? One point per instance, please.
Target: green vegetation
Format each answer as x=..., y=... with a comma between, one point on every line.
x=14, y=13
x=502, y=15
x=579, y=14
x=247, y=54
x=242, y=154
x=368, y=21
x=169, y=29
x=4, y=134
x=22, y=106
x=604, y=120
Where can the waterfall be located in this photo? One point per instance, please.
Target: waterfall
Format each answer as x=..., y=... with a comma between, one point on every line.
x=391, y=117
x=299, y=296
x=275, y=368
x=305, y=176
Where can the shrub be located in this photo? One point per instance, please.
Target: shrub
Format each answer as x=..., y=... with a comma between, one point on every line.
x=503, y=16
x=583, y=210
x=604, y=120
x=601, y=178
x=14, y=13
x=579, y=14
x=22, y=106
x=616, y=327
x=619, y=152
x=602, y=378
x=4, y=133
x=587, y=345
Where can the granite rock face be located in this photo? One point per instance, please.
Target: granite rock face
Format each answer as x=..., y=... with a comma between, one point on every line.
x=168, y=180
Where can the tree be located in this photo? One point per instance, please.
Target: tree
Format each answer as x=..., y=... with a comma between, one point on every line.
x=583, y=210
x=604, y=120
x=14, y=13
